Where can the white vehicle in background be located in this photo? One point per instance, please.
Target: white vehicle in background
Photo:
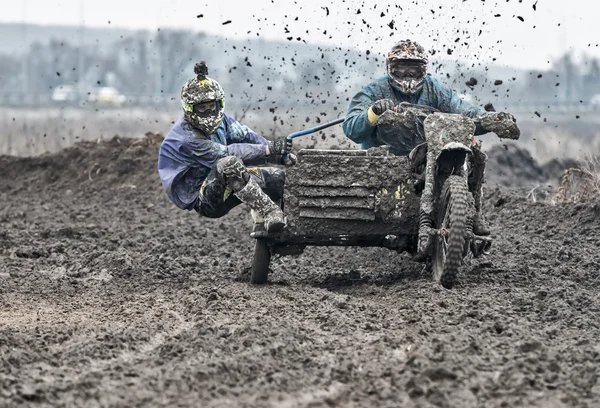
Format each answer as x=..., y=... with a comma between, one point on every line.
x=65, y=93
x=595, y=100
x=106, y=97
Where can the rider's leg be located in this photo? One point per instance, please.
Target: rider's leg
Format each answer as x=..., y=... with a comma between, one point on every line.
x=245, y=187
x=216, y=198
x=426, y=207
x=476, y=180
x=271, y=180
x=230, y=183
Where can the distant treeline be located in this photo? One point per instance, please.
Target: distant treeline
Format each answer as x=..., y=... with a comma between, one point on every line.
x=268, y=76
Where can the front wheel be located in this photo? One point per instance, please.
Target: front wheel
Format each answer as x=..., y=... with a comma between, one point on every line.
x=261, y=261
x=451, y=222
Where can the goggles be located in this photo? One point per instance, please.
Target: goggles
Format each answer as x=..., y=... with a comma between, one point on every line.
x=407, y=69
x=208, y=108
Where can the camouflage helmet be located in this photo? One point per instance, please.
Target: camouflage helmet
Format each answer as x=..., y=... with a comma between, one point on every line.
x=196, y=97
x=404, y=54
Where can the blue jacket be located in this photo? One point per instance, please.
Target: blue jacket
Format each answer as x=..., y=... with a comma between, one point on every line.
x=435, y=94
x=186, y=156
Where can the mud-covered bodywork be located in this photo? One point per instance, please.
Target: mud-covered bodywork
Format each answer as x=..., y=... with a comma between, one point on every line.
x=350, y=197
x=446, y=133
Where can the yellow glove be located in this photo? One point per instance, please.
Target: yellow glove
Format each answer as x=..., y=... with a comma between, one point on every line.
x=371, y=116
x=378, y=108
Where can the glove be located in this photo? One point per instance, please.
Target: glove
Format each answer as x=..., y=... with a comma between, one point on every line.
x=378, y=108
x=281, y=146
x=499, y=116
x=501, y=123
x=382, y=105
x=280, y=152
x=504, y=116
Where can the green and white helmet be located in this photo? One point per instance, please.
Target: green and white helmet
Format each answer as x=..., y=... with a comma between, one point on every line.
x=203, y=101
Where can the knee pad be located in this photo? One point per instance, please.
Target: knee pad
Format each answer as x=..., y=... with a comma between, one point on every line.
x=231, y=166
x=233, y=171
x=227, y=164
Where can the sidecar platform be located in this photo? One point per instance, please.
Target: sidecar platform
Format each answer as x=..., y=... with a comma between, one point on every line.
x=348, y=198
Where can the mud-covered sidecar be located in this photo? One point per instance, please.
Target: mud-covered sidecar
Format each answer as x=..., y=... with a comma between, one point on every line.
x=343, y=198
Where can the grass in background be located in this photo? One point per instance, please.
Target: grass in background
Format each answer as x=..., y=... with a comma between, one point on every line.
x=580, y=183
x=35, y=131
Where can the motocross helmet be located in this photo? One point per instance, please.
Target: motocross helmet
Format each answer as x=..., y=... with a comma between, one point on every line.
x=406, y=65
x=203, y=101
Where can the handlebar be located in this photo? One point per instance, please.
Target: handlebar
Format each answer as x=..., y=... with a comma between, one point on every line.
x=314, y=129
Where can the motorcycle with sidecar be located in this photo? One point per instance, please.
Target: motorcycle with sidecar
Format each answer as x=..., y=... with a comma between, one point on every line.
x=420, y=204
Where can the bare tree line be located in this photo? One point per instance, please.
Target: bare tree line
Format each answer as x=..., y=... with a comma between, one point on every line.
x=272, y=77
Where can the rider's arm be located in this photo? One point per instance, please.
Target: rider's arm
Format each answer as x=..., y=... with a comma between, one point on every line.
x=238, y=133
x=245, y=143
x=206, y=152
x=357, y=126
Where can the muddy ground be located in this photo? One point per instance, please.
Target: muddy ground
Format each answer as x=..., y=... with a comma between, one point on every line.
x=110, y=296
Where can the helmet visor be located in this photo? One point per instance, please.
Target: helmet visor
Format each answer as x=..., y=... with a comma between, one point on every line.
x=208, y=108
x=403, y=69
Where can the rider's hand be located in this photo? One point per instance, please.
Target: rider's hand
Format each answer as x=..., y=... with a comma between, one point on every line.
x=378, y=108
x=281, y=146
x=280, y=152
x=501, y=123
x=502, y=116
x=382, y=105
x=289, y=159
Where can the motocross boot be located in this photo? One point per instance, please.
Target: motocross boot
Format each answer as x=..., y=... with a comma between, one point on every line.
x=480, y=226
x=247, y=190
x=476, y=180
x=258, y=230
x=253, y=196
x=426, y=205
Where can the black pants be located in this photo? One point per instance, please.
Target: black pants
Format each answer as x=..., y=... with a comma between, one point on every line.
x=217, y=198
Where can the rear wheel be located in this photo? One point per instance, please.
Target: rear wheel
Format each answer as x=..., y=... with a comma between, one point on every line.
x=261, y=261
x=451, y=221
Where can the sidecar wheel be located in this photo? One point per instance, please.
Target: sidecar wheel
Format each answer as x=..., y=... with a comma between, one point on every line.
x=261, y=261
x=452, y=223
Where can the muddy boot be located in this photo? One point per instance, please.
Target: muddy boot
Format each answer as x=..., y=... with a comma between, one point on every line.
x=258, y=230
x=480, y=227
x=476, y=179
x=253, y=196
x=426, y=206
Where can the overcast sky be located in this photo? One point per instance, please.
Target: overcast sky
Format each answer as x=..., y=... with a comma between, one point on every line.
x=545, y=33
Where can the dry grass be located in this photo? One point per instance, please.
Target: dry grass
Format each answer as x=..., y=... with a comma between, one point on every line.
x=580, y=183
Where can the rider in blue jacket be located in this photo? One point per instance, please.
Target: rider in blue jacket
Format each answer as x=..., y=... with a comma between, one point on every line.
x=407, y=81
x=203, y=162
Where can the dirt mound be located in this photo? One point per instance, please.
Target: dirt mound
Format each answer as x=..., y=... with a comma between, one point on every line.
x=111, y=296
x=512, y=166
x=117, y=161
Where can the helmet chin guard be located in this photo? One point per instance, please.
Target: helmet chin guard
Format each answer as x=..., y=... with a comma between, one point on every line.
x=406, y=86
